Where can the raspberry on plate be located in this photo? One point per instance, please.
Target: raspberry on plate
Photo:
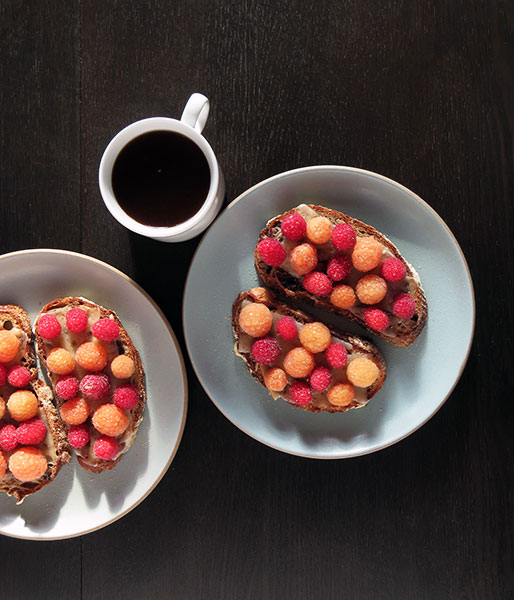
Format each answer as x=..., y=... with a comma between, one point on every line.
x=126, y=396
x=91, y=356
x=271, y=252
x=255, y=319
x=371, y=289
x=286, y=328
x=60, y=361
x=95, y=387
x=319, y=230
x=393, y=269
x=404, y=306
x=110, y=420
x=275, y=380
x=265, y=351
x=76, y=320
x=106, y=447
x=317, y=284
x=376, y=319
x=31, y=432
x=343, y=296
x=9, y=346
x=106, y=330
x=300, y=393
x=362, y=372
x=78, y=436
x=19, y=376
x=294, y=227
x=341, y=394
x=75, y=411
x=22, y=405
x=28, y=464
x=8, y=438
x=315, y=337
x=303, y=258
x=122, y=367
x=336, y=355
x=48, y=326
x=299, y=362
x=67, y=387
x=339, y=267
x=367, y=254
x=343, y=237
x=320, y=379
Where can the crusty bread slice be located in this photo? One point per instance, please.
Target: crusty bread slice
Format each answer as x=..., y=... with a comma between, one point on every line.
x=123, y=345
x=55, y=445
x=356, y=345
x=403, y=333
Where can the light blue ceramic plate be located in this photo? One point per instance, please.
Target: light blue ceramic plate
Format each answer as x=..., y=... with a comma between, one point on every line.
x=419, y=379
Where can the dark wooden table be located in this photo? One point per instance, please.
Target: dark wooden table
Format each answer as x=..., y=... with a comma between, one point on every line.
x=422, y=92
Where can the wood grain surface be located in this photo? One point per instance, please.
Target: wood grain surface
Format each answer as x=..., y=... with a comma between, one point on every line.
x=422, y=92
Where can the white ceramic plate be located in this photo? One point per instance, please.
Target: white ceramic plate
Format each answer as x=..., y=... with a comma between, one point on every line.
x=78, y=502
x=420, y=377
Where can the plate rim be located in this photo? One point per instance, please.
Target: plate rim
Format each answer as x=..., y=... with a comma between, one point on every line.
x=184, y=378
x=394, y=183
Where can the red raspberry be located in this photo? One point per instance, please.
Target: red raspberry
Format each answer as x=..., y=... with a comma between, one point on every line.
x=271, y=252
x=265, y=351
x=48, y=327
x=31, y=432
x=404, y=306
x=300, y=393
x=78, y=435
x=106, y=447
x=76, y=320
x=339, y=267
x=106, y=330
x=126, y=396
x=3, y=374
x=320, y=379
x=393, y=269
x=317, y=283
x=8, y=438
x=343, y=237
x=19, y=377
x=376, y=319
x=95, y=387
x=286, y=328
x=336, y=356
x=294, y=227
x=67, y=387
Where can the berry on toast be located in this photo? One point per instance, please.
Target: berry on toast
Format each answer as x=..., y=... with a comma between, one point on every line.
x=33, y=441
x=330, y=260
x=301, y=360
x=97, y=376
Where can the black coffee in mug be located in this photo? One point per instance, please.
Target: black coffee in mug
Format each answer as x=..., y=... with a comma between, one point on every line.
x=161, y=178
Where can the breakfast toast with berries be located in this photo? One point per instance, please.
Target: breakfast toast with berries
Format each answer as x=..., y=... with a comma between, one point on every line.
x=337, y=263
x=301, y=360
x=97, y=376
x=33, y=441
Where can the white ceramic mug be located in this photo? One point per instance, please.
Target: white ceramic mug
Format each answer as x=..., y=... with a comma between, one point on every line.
x=191, y=123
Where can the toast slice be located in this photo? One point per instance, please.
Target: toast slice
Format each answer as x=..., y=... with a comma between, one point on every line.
x=122, y=345
x=355, y=346
x=54, y=445
x=285, y=281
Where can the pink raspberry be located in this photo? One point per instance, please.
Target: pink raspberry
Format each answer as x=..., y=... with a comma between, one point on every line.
x=126, y=396
x=8, y=438
x=339, y=267
x=48, y=327
x=3, y=374
x=343, y=237
x=336, y=356
x=67, y=387
x=271, y=252
x=19, y=377
x=106, y=447
x=265, y=351
x=393, y=269
x=294, y=227
x=300, y=393
x=106, y=330
x=78, y=435
x=404, y=306
x=76, y=320
x=31, y=432
x=95, y=387
x=286, y=328
x=376, y=319
x=317, y=283
x=320, y=379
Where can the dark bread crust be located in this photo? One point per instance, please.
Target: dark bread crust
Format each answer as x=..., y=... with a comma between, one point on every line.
x=359, y=344
x=136, y=414
x=283, y=283
x=55, y=427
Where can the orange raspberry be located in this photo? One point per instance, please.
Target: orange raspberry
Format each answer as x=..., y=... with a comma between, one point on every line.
x=371, y=289
x=255, y=319
x=362, y=372
x=298, y=362
x=28, y=464
x=75, y=411
x=275, y=379
x=319, y=230
x=60, y=361
x=110, y=420
x=367, y=254
x=2, y=407
x=342, y=296
x=91, y=356
x=303, y=258
x=9, y=346
x=315, y=337
x=22, y=405
x=122, y=367
x=341, y=394
x=3, y=465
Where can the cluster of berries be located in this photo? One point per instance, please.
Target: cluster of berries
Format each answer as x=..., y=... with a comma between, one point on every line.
x=363, y=254
x=300, y=362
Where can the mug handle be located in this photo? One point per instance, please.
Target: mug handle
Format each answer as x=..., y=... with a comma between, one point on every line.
x=196, y=111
